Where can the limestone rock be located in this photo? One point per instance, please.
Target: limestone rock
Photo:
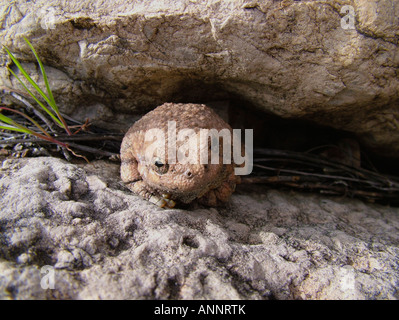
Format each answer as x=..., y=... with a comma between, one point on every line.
x=106, y=243
x=291, y=58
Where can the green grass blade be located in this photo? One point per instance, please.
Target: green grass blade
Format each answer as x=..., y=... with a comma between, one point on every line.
x=13, y=125
x=37, y=135
x=27, y=76
x=26, y=117
x=50, y=98
x=6, y=119
x=37, y=100
x=10, y=128
x=49, y=92
x=11, y=122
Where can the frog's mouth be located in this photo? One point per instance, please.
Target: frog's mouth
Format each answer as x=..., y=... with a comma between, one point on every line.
x=186, y=197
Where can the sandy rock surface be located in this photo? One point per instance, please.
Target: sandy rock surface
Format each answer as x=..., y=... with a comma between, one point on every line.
x=103, y=242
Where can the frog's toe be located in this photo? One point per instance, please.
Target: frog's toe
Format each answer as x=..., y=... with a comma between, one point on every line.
x=160, y=202
x=170, y=203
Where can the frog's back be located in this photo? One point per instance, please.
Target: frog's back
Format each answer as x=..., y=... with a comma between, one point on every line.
x=186, y=115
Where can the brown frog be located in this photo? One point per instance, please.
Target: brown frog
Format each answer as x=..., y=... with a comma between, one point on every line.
x=164, y=182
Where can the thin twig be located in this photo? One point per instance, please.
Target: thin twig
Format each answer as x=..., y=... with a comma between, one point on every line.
x=92, y=150
x=35, y=111
x=69, y=144
x=314, y=159
x=65, y=153
x=68, y=138
x=292, y=182
x=91, y=137
x=315, y=174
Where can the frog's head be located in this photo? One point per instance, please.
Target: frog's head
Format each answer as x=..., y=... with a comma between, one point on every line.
x=182, y=181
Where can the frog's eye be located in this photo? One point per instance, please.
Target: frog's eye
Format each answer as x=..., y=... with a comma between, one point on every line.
x=158, y=163
x=160, y=167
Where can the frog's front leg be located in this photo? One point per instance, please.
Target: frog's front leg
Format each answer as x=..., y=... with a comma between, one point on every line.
x=140, y=188
x=221, y=194
x=131, y=176
x=129, y=168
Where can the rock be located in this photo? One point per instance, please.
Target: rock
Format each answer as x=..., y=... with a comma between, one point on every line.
x=102, y=242
x=111, y=59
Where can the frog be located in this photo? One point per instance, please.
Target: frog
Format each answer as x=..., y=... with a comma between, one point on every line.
x=160, y=178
